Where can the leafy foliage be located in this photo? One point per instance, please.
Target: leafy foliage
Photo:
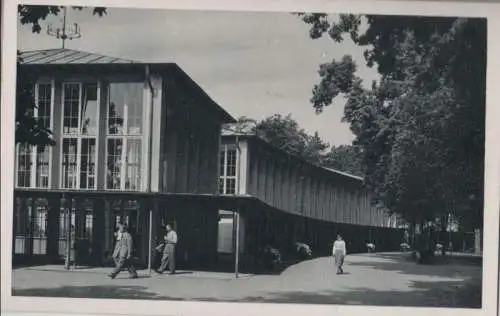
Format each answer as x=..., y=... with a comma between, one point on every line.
x=285, y=133
x=347, y=158
x=32, y=14
x=420, y=129
x=29, y=129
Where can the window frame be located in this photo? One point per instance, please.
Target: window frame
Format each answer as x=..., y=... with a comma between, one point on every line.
x=33, y=153
x=223, y=176
x=125, y=137
x=80, y=136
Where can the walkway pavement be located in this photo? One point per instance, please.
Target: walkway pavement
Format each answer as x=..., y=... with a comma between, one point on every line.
x=370, y=279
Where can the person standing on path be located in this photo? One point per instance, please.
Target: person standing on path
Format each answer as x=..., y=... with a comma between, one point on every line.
x=122, y=255
x=168, y=258
x=339, y=253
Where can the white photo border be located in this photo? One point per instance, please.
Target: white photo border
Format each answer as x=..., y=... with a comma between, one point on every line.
x=491, y=11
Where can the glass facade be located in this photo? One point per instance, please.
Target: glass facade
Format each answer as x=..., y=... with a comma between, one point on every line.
x=33, y=162
x=79, y=135
x=84, y=119
x=124, y=137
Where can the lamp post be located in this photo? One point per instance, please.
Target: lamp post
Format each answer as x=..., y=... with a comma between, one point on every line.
x=237, y=213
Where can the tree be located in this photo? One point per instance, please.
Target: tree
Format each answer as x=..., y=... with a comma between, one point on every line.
x=421, y=127
x=285, y=133
x=347, y=158
x=29, y=129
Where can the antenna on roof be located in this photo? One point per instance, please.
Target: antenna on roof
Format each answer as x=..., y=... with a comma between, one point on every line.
x=65, y=31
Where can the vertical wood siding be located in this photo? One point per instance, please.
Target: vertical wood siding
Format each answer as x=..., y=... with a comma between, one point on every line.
x=190, y=142
x=297, y=187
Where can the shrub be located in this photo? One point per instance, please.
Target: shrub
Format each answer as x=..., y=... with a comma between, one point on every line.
x=371, y=247
x=270, y=256
x=302, y=250
x=404, y=247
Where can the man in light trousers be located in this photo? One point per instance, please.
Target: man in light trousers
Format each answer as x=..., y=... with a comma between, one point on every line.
x=168, y=258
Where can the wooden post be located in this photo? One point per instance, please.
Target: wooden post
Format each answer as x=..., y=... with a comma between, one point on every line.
x=52, y=228
x=31, y=227
x=68, y=231
x=17, y=211
x=237, y=244
x=150, y=240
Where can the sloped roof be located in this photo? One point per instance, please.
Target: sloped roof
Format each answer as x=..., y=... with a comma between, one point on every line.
x=344, y=173
x=242, y=130
x=72, y=59
x=61, y=56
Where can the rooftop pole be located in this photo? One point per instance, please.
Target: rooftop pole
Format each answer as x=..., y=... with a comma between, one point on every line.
x=64, y=32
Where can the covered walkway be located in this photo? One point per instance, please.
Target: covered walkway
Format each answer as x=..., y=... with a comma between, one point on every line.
x=46, y=221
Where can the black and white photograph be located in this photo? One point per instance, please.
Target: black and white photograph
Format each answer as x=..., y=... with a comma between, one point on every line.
x=292, y=157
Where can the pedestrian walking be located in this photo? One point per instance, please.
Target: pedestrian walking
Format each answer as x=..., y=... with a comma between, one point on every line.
x=122, y=255
x=339, y=253
x=168, y=258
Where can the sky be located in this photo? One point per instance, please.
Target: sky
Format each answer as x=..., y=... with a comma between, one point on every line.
x=253, y=64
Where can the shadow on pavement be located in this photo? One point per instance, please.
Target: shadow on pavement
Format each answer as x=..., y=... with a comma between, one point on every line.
x=97, y=291
x=401, y=264
x=423, y=294
x=454, y=258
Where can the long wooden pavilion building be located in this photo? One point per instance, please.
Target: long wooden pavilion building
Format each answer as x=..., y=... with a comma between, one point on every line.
x=141, y=143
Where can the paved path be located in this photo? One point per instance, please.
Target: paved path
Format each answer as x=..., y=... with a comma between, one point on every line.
x=370, y=279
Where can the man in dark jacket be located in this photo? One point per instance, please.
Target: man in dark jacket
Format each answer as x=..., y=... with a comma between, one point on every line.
x=122, y=255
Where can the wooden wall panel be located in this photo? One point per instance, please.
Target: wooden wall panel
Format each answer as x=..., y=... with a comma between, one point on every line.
x=191, y=143
x=299, y=188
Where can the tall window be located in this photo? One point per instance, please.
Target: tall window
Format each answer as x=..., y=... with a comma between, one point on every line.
x=43, y=166
x=33, y=162
x=24, y=165
x=227, y=178
x=79, y=135
x=124, y=136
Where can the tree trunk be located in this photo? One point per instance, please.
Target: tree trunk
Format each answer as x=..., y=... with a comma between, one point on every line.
x=444, y=223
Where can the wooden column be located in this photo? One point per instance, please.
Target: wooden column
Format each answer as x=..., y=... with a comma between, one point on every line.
x=107, y=229
x=57, y=131
x=53, y=214
x=66, y=204
x=15, y=221
x=30, y=204
x=102, y=142
x=98, y=231
x=19, y=222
